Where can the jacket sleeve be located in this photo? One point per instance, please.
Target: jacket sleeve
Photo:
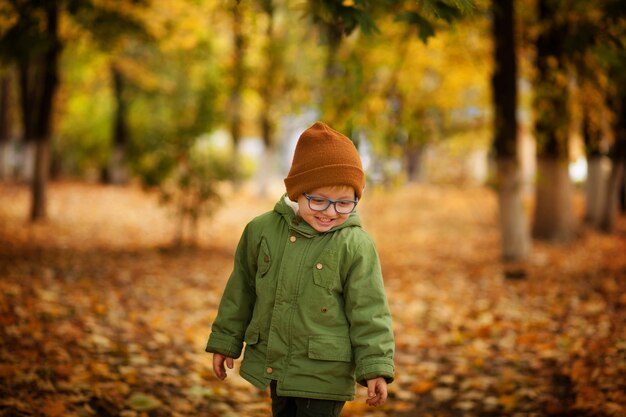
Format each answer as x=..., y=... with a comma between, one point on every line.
x=371, y=332
x=237, y=303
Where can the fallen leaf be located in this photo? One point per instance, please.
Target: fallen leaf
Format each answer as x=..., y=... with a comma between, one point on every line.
x=143, y=402
x=422, y=387
x=54, y=408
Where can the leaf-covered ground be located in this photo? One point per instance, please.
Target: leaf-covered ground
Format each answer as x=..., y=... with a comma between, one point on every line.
x=99, y=318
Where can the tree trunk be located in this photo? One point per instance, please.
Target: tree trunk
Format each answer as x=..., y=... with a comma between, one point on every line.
x=616, y=179
x=5, y=124
x=116, y=169
x=235, y=99
x=4, y=161
x=595, y=189
x=267, y=92
x=597, y=167
x=38, y=86
x=554, y=214
x=514, y=231
x=413, y=156
x=40, y=178
x=515, y=236
x=615, y=184
x=554, y=219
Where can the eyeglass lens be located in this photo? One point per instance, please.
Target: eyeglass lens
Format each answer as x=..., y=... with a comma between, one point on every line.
x=341, y=206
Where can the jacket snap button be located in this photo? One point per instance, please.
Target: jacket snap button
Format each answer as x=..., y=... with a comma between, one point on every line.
x=324, y=309
x=292, y=239
x=266, y=258
x=319, y=266
x=269, y=370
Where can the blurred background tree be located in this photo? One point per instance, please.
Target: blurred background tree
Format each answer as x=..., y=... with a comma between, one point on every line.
x=429, y=90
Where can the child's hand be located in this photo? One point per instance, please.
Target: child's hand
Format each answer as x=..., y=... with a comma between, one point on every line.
x=376, y=391
x=218, y=365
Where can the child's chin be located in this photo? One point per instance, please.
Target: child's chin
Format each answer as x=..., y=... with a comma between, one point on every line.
x=322, y=228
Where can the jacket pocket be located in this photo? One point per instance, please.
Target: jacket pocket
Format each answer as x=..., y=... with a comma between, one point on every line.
x=330, y=348
x=325, y=271
x=264, y=260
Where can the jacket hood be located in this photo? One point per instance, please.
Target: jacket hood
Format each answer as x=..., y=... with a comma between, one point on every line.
x=289, y=210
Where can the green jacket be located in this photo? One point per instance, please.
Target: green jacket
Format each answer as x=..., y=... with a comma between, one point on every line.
x=310, y=307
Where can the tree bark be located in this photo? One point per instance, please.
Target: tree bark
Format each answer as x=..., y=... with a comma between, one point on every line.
x=597, y=166
x=235, y=99
x=554, y=219
x=5, y=124
x=413, y=156
x=40, y=178
x=554, y=214
x=267, y=92
x=515, y=236
x=514, y=231
x=116, y=169
x=595, y=188
x=618, y=170
x=38, y=85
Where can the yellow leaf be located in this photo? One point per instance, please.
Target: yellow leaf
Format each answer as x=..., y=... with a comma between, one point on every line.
x=508, y=402
x=402, y=406
x=100, y=369
x=422, y=387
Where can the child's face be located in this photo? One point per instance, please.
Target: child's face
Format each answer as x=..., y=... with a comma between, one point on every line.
x=323, y=221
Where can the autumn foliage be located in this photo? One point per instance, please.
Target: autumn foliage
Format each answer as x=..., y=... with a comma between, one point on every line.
x=100, y=318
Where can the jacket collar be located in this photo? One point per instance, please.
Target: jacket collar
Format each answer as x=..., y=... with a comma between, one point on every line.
x=289, y=210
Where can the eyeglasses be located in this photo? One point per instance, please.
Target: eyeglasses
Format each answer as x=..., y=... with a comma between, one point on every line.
x=322, y=203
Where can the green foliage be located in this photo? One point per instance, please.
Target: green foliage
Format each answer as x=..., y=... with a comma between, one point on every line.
x=169, y=150
x=426, y=15
x=425, y=28
x=347, y=15
x=83, y=134
x=192, y=186
x=187, y=172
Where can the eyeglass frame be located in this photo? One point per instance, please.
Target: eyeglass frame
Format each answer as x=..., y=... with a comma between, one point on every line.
x=330, y=202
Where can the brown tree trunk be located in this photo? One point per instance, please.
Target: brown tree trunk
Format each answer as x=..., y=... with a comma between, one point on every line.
x=514, y=233
x=235, y=99
x=618, y=170
x=597, y=172
x=38, y=86
x=515, y=238
x=116, y=170
x=5, y=124
x=267, y=93
x=595, y=188
x=554, y=216
x=40, y=178
x=413, y=159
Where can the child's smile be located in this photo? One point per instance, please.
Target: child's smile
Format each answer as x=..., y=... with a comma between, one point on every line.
x=324, y=222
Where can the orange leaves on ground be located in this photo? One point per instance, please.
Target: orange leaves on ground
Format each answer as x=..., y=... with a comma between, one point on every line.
x=99, y=317
x=54, y=407
x=422, y=387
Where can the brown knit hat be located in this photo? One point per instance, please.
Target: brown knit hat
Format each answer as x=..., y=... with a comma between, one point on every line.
x=323, y=158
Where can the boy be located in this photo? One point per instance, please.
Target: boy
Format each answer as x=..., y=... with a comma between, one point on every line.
x=306, y=294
